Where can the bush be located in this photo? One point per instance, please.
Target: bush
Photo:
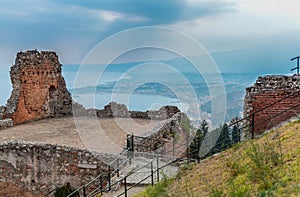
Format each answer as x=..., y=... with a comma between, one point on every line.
x=65, y=191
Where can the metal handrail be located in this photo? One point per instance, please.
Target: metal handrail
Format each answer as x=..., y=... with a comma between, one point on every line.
x=102, y=174
x=116, y=170
x=51, y=191
x=120, y=154
x=262, y=109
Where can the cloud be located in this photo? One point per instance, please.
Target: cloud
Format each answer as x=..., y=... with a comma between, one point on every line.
x=157, y=12
x=73, y=27
x=35, y=24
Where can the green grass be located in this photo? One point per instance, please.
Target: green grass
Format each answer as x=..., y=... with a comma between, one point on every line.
x=157, y=190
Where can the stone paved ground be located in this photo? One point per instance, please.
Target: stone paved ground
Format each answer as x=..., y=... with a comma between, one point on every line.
x=103, y=135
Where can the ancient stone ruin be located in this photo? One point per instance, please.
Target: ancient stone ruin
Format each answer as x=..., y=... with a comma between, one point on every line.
x=267, y=90
x=39, y=89
x=159, y=140
x=115, y=110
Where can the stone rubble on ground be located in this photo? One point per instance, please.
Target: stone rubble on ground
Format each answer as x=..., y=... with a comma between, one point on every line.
x=6, y=123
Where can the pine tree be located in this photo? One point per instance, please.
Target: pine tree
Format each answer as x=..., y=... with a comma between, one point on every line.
x=203, y=128
x=235, y=131
x=199, y=137
x=224, y=140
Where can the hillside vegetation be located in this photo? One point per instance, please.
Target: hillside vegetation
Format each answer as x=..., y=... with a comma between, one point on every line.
x=268, y=166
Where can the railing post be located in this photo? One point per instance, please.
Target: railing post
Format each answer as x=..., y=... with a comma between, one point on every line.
x=157, y=171
x=198, y=149
x=118, y=170
x=101, y=183
x=132, y=144
x=128, y=141
x=125, y=187
x=84, y=191
x=109, y=181
x=173, y=147
x=252, y=126
x=187, y=148
x=152, y=178
x=188, y=153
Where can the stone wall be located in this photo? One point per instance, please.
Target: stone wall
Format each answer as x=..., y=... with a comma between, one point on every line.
x=159, y=140
x=115, y=110
x=39, y=89
x=267, y=90
x=40, y=167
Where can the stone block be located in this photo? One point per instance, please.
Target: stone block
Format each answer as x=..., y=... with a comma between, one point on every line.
x=87, y=166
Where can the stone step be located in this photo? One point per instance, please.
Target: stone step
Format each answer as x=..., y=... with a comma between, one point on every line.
x=138, y=170
x=131, y=192
x=141, y=169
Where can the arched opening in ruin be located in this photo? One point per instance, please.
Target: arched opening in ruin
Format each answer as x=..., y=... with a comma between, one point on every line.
x=52, y=100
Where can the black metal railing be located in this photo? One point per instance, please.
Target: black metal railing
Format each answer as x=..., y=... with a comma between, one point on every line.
x=104, y=179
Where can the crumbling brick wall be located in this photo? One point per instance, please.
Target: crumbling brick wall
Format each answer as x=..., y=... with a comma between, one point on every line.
x=39, y=89
x=266, y=91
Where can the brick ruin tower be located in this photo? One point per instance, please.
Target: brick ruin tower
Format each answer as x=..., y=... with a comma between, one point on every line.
x=273, y=99
x=39, y=89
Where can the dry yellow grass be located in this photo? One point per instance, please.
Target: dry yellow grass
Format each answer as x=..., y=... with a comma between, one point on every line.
x=237, y=171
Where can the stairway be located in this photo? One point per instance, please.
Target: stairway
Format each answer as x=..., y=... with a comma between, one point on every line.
x=141, y=172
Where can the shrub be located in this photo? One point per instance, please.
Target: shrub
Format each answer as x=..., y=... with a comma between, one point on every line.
x=65, y=191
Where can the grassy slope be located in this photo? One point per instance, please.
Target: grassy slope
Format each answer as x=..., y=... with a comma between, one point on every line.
x=269, y=166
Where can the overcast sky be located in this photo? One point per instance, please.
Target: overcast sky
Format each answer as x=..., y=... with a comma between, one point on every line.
x=242, y=35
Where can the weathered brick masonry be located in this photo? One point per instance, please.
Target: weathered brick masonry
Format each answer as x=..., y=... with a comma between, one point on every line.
x=267, y=90
x=39, y=89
